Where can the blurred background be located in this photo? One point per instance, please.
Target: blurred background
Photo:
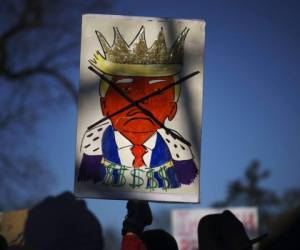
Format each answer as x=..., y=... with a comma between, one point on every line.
x=251, y=118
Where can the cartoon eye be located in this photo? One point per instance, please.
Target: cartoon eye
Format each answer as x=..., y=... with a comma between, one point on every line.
x=156, y=81
x=158, y=90
x=125, y=80
x=127, y=89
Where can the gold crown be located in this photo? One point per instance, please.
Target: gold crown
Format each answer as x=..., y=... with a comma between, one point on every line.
x=136, y=59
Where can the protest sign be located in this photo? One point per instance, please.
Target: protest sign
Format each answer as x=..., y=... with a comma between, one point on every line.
x=140, y=108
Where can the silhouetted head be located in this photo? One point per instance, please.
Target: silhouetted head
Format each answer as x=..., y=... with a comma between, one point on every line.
x=223, y=232
x=159, y=240
x=64, y=223
x=285, y=231
x=3, y=243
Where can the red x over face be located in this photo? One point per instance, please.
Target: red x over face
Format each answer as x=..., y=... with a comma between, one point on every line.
x=133, y=123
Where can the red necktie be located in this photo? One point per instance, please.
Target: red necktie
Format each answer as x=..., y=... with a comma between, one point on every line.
x=138, y=152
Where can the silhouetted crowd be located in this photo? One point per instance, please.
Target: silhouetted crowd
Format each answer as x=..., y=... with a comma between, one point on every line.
x=63, y=223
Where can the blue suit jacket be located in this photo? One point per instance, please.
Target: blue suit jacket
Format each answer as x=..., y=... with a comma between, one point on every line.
x=91, y=168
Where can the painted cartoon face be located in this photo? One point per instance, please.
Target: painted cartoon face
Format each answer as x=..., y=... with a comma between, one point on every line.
x=162, y=106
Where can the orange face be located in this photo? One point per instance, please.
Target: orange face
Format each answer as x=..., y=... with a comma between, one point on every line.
x=133, y=120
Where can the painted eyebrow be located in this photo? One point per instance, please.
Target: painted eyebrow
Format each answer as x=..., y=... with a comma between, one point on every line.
x=125, y=80
x=156, y=81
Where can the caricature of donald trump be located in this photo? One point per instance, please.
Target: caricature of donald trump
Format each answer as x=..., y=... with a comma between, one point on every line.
x=133, y=148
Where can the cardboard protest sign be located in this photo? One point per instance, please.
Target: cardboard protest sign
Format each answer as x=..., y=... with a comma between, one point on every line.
x=139, y=109
x=185, y=223
x=12, y=226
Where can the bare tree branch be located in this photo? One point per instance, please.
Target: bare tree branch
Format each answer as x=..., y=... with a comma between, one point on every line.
x=63, y=80
x=39, y=45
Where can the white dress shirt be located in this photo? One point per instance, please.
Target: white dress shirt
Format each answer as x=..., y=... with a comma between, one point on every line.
x=124, y=149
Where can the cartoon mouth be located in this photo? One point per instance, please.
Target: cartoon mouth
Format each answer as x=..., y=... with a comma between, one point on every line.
x=134, y=112
x=139, y=118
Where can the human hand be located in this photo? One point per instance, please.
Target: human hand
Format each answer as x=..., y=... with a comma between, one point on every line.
x=138, y=216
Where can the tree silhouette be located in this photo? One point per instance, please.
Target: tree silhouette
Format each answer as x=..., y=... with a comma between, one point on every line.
x=248, y=191
x=290, y=199
x=39, y=58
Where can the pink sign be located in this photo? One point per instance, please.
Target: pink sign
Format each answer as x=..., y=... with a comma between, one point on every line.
x=185, y=223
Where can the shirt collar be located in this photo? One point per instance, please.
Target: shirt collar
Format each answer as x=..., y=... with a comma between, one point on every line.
x=123, y=142
x=150, y=143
